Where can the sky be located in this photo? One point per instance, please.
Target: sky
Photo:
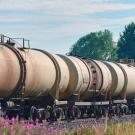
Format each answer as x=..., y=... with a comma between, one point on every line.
x=55, y=25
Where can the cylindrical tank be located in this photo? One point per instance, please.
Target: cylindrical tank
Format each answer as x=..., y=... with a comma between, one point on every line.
x=129, y=90
x=88, y=93
x=118, y=79
x=41, y=73
x=9, y=71
x=104, y=78
x=63, y=77
x=80, y=78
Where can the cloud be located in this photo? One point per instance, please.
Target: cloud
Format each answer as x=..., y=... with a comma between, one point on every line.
x=65, y=7
x=52, y=27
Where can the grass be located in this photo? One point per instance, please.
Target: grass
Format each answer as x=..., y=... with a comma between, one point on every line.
x=15, y=127
x=113, y=129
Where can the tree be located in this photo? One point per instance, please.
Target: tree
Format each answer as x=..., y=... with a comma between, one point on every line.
x=126, y=43
x=96, y=45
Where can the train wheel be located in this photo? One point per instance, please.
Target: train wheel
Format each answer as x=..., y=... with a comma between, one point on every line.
x=33, y=113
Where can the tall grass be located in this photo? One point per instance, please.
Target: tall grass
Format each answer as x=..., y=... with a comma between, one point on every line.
x=16, y=127
x=113, y=129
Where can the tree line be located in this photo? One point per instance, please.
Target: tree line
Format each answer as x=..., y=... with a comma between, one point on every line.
x=100, y=45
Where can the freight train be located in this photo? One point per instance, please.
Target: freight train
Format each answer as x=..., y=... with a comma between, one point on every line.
x=35, y=83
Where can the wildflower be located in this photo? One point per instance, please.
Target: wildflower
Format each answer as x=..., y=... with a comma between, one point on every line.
x=11, y=130
x=4, y=133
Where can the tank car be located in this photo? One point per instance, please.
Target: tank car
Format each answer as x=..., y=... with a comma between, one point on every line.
x=35, y=83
